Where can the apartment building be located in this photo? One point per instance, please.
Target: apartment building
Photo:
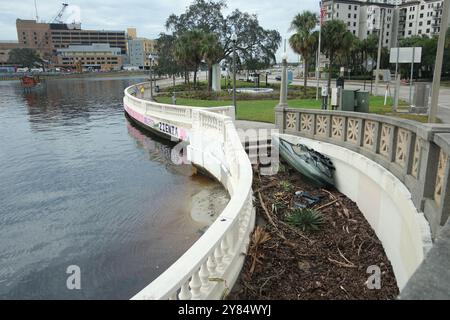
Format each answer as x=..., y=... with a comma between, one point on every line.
x=420, y=18
x=99, y=56
x=363, y=18
x=403, y=17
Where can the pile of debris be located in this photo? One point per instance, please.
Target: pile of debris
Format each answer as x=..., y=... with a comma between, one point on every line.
x=336, y=260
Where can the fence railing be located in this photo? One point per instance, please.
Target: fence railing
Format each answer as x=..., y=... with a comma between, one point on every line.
x=211, y=266
x=417, y=154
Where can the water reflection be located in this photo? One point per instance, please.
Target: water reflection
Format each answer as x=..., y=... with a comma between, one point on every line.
x=81, y=185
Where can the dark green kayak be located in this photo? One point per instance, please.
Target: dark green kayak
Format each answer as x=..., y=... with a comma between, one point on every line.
x=310, y=163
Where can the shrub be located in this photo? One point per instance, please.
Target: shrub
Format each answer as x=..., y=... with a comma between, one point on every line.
x=306, y=220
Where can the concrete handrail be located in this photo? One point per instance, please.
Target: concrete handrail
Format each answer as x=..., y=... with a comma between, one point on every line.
x=211, y=266
x=416, y=154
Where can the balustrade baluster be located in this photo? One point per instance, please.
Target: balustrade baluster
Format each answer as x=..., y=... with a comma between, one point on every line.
x=218, y=256
x=196, y=285
x=204, y=275
x=212, y=266
x=185, y=293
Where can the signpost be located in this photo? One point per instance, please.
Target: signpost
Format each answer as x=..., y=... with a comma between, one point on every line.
x=405, y=55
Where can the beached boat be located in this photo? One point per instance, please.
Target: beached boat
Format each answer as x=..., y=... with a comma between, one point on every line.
x=310, y=163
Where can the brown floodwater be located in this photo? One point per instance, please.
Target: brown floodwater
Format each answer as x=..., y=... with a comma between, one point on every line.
x=81, y=185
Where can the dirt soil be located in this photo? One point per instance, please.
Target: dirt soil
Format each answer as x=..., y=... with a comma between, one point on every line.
x=284, y=263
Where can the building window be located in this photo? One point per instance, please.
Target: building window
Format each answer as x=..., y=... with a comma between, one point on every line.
x=349, y=15
x=356, y=7
x=354, y=16
x=410, y=24
x=420, y=31
x=409, y=32
x=354, y=24
x=428, y=22
x=420, y=23
x=428, y=31
x=349, y=7
x=348, y=24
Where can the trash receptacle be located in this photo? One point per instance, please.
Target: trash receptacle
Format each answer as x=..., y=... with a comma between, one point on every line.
x=156, y=88
x=362, y=101
x=421, y=97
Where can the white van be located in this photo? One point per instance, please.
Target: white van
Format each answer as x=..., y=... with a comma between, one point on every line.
x=22, y=70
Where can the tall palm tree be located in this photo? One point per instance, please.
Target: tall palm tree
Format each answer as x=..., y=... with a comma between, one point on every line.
x=336, y=41
x=188, y=50
x=303, y=41
x=212, y=51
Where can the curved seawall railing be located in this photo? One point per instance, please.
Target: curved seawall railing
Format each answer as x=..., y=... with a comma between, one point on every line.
x=397, y=171
x=210, y=267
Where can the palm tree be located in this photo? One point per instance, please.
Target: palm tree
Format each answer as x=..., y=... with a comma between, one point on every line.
x=336, y=41
x=212, y=51
x=303, y=41
x=188, y=51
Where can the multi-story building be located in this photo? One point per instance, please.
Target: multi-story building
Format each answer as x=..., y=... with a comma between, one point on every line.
x=139, y=49
x=136, y=54
x=363, y=18
x=46, y=38
x=420, y=18
x=5, y=49
x=404, y=18
x=100, y=56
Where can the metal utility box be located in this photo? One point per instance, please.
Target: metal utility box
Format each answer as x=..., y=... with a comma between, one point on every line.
x=348, y=100
x=421, y=97
x=362, y=101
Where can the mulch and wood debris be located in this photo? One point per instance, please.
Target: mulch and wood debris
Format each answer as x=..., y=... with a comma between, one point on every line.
x=285, y=263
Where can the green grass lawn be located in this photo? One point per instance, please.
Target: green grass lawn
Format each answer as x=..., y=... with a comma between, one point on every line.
x=263, y=110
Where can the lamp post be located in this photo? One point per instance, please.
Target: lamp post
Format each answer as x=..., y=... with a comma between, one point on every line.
x=234, y=40
x=380, y=44
x=438, y=65
x=150, y=56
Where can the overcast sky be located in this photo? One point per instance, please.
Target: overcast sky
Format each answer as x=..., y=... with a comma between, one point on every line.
x=148, y=16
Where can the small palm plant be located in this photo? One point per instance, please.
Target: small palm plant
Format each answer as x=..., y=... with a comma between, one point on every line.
x=286, y=186
x=306, y=219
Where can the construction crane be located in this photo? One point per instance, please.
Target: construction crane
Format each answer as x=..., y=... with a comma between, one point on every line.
x=58, y=17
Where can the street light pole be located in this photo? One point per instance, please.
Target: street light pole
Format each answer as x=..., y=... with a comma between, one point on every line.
x=380, y=44
x=438, y=65
x=234, y=40
x=151, y=76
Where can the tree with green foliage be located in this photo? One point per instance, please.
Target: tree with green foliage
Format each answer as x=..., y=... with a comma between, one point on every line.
x=303, y=41
x=25, y=57
x=167, y=62
x=189, y=49
x=256, y=46
x=336, y=41
x=212, y=51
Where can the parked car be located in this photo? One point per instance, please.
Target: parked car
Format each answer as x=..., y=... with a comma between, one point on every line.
x=278, y=78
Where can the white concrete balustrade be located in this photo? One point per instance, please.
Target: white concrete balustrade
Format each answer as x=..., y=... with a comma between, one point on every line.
x=210, y=267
